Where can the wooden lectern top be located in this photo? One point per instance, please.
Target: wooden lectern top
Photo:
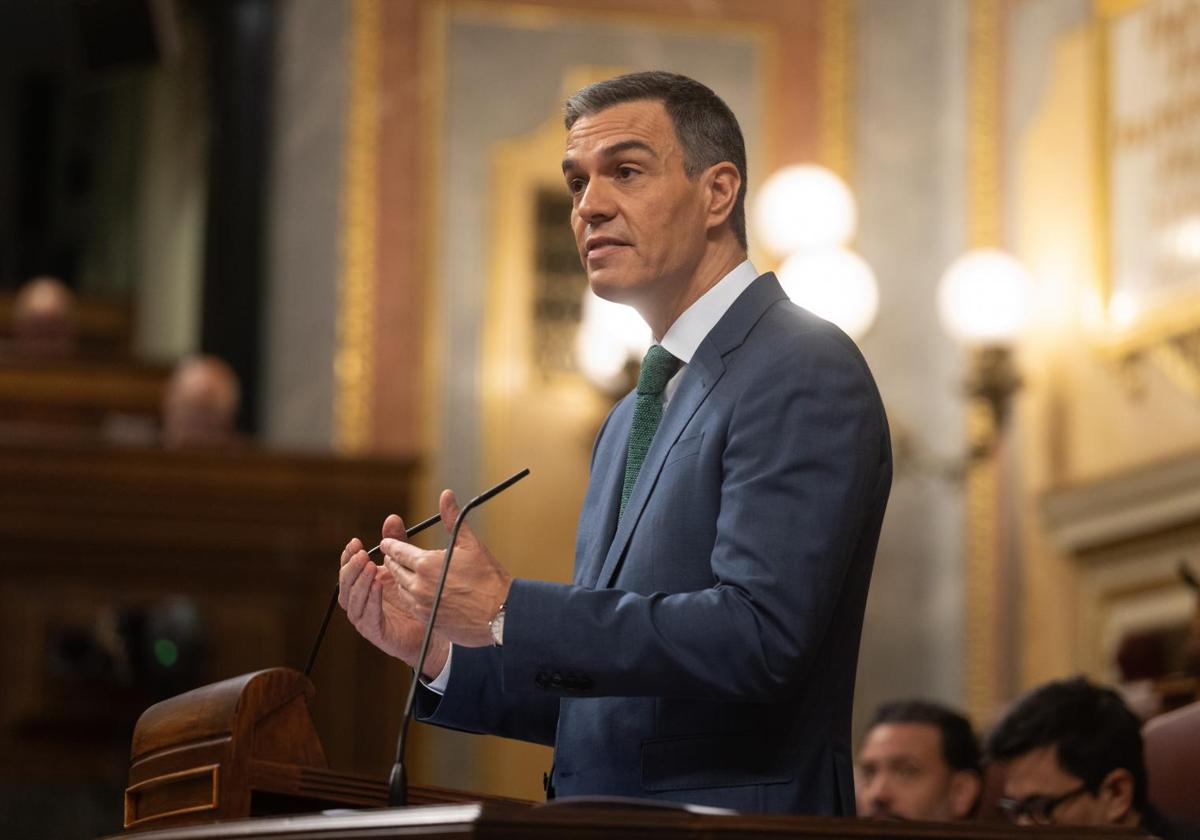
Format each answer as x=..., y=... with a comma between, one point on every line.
x=488, y=820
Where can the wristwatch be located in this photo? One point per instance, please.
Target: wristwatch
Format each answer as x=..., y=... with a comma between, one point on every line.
x=496, y=625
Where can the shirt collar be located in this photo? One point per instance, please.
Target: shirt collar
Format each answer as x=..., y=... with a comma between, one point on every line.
x=684, y=336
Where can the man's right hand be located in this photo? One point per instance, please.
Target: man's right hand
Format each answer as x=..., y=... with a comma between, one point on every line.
x=376, y=607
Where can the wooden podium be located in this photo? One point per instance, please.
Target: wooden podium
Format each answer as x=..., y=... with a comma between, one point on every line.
x=239, y=748
x=224, y=761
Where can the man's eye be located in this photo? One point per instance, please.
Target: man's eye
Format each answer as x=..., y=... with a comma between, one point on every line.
x=906, y=770
x=1038, y=807
x=575, y=186
x=624, y=173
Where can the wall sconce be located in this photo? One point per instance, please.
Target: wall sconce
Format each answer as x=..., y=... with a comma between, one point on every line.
x=983, y=301
x=806, y=214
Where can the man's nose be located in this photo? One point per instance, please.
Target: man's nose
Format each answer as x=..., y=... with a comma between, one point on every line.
x=880, y=791
x=596, y=203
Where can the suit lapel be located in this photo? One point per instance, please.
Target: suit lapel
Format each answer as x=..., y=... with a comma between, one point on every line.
x=610, y=457
x=702, y=373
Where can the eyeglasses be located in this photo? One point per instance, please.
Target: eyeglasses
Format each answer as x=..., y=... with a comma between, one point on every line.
x=1038, y=808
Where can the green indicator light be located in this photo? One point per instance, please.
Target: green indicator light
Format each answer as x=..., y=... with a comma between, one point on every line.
x=166, y=652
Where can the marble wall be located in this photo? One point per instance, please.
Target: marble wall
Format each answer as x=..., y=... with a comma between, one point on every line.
x=910, y=111
x=305, y=211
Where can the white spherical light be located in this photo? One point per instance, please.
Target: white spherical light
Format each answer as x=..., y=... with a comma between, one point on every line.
x=984, y=297
x=804, y=207
x=610, y=334
x=836, y=284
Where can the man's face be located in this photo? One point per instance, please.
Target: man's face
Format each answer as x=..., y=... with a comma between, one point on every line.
x=1052, y=796
x=639, y=221
x=901, y=774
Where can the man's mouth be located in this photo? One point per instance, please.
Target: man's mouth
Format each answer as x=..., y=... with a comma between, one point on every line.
x=599, y=247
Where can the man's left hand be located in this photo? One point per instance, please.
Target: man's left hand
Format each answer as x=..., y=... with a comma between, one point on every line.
x=476, y=587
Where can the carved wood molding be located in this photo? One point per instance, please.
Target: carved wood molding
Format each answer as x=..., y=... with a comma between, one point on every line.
x=1124, y=506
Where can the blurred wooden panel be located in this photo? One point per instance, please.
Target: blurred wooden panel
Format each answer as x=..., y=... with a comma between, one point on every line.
x=80, y=400
x=130, y=575
x=104, y=326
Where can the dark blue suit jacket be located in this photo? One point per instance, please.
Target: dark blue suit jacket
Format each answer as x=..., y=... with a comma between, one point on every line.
x=706, y=650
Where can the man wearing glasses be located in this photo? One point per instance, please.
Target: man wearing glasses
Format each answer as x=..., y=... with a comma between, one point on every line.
x=1072, y=755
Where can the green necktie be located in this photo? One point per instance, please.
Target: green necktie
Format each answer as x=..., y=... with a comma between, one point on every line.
x=657, y=369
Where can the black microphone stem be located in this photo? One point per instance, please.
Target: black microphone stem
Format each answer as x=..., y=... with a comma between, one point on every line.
x=398, y=780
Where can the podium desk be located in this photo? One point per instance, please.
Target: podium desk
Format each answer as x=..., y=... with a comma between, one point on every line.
x=500, y=820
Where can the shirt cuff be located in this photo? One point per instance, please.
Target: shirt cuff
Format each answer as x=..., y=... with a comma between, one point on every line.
x=438, y=684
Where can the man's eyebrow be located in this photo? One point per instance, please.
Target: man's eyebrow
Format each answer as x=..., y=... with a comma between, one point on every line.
x=615, y=149
x=627, y=146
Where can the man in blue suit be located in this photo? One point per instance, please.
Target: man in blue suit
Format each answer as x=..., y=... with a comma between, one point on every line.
x=706, y=650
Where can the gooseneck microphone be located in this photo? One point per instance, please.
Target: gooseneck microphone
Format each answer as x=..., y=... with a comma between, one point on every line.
x=398, y=780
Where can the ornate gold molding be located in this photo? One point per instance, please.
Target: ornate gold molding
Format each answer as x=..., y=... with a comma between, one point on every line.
x=352, y=366
x=836, y=85
x=983, y=643
x=983, y=139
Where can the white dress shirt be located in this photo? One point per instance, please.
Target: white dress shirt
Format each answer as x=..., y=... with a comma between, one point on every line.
x=682, y=340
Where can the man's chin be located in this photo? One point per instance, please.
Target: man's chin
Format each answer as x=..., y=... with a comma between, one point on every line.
x=611, y=286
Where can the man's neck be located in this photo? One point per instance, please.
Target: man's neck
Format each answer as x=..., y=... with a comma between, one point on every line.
x=716, y=264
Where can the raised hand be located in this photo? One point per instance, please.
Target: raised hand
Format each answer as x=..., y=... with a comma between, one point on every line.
x=379, y=610
x=475, y=589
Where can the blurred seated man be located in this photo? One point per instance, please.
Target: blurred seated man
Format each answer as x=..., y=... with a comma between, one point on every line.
x=1072, y=755
x=918, y=761
x=44, y=320
x=200, y=404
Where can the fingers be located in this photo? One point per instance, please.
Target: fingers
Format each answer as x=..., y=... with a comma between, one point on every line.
x=372, y=611
x=407, y=580
x=357, y=568
x=352, y=548
x=417, y=574
x=356, y=598
x=393, y=528
x=449, y=509
x=404, y=553
x=347, y=573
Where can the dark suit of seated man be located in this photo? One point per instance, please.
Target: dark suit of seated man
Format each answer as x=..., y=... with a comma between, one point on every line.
x=706, y=650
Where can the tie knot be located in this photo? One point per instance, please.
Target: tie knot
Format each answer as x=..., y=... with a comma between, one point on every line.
x=657, y=369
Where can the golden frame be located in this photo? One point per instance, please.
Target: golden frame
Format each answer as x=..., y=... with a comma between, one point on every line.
x=1164, y=332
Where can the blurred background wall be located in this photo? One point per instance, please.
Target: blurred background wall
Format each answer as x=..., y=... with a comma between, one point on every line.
x=354, y=204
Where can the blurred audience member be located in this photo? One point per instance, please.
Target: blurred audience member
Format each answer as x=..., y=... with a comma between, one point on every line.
x=44, y=320
x=200, y=404
x=918, y=761
x=1072, y=755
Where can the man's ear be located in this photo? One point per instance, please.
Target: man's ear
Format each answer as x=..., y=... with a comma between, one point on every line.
x=965, y=787
x=722, y=185
x=1116, y=793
